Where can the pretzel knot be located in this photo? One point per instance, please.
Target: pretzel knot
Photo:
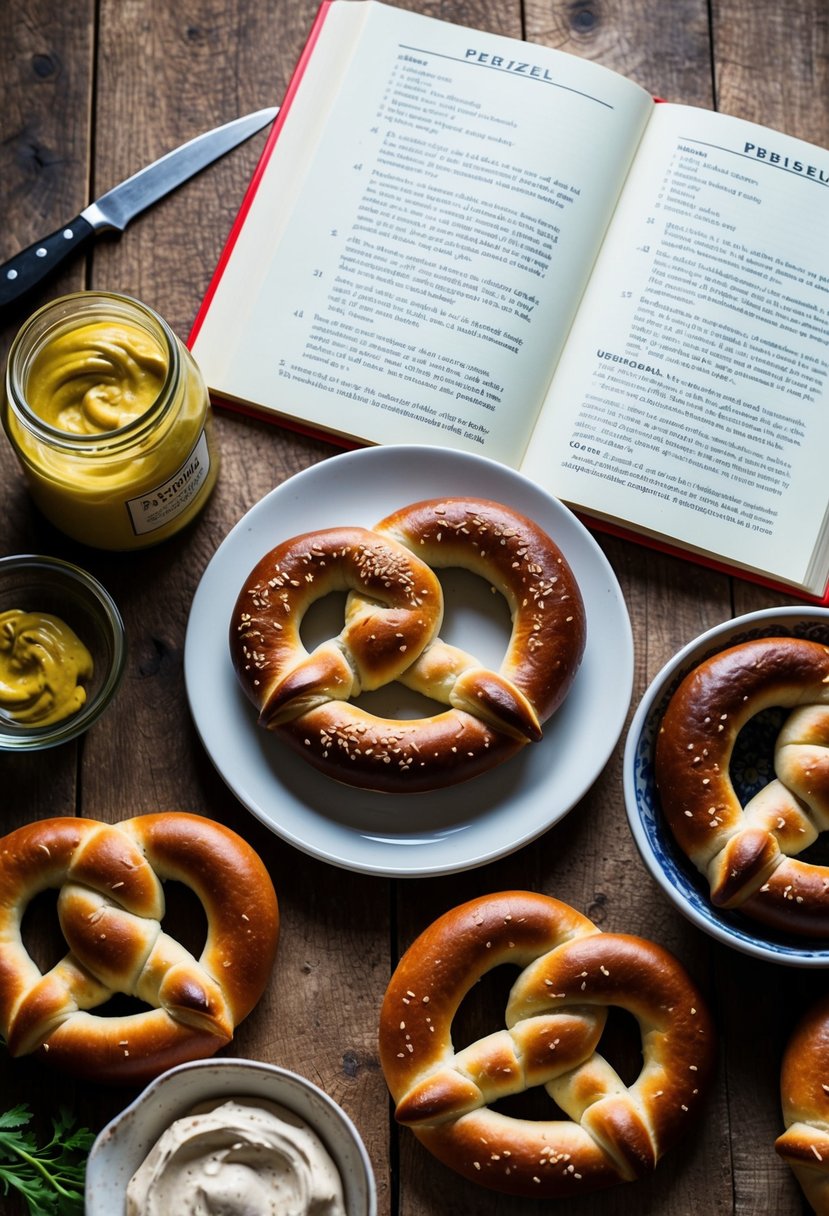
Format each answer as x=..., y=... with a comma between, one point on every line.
x=393, y=615
x=572, y=973
x=748, y=852
x=110, y=907
x=805, y=1102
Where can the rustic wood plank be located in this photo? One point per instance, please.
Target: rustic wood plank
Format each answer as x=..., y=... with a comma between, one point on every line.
x=44, y=170
x=44, y=153
x=45, y=166
x=589, y=860
x=146, y=756
x=771, y=66
x=670, y=58
x=205, y=63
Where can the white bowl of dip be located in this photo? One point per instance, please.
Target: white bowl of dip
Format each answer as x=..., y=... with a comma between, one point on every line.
x=311, y=1126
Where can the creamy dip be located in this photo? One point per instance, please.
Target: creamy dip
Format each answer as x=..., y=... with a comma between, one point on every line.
x=43, y=667
x=243, y=1157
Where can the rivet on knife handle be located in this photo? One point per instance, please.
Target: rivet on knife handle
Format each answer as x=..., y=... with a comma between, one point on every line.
x=26, y=270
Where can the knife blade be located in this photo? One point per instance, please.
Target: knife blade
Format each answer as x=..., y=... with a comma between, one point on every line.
x=114, y=209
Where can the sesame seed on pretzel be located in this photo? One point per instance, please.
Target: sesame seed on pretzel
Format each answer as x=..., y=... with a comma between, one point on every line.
x=748, y=853
x=572, y=974
x=110, y=907
x=394, y=611
x=804, y=1096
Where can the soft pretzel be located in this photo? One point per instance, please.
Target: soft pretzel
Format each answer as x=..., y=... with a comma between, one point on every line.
x=572, y=973
x=747, y=853
x=804, y=1095
x=110, y=907
x=393, y=613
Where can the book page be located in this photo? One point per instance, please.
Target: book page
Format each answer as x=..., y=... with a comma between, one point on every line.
x=693, y=399
x=416, y=248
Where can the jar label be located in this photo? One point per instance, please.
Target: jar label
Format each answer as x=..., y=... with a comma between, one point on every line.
x=157, y=507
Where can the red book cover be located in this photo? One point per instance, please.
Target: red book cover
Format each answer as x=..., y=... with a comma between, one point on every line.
x=278, y=124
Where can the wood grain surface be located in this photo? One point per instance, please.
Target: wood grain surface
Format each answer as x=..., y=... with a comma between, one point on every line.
x=90, y=91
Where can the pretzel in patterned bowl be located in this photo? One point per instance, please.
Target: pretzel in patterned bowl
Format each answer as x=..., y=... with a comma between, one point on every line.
x=572, y=974
x=110, y=908
x=393, y=615
x=804, y=1096
x=749, y=853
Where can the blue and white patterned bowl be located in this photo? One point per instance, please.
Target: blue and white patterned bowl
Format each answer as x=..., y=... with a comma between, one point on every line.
x=751, y=769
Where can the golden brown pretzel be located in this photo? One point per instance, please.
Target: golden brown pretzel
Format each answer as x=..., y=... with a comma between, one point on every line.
x=572, y=973
x=747, y=853
x=391, y=633
x=804, y=1095
x=110, y=907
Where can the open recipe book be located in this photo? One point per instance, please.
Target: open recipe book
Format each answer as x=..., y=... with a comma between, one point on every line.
x=459, y=239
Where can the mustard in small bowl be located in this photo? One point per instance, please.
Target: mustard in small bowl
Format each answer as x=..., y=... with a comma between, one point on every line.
x=62, y=652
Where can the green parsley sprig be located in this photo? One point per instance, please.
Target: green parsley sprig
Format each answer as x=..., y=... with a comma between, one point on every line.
x=50, y=1177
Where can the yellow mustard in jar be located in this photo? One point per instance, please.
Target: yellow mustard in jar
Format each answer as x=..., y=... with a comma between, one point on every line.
x=110, y=420
x=43, y=668
x=98, y=377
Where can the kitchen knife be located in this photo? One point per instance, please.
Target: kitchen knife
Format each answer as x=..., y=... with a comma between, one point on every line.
x=114, y=210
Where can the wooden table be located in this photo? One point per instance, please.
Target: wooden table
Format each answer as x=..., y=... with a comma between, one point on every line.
x=90, y=91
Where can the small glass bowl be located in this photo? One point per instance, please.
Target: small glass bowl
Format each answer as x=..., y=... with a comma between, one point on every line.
x=33, y=583
x=123, y=1144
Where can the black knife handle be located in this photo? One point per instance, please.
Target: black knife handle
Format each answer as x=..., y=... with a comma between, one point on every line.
x=28, y=269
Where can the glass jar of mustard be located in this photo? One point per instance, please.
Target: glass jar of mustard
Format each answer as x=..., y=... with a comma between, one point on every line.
x=111, y=421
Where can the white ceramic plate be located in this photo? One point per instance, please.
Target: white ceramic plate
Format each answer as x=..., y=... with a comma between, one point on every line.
x=414, y=834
